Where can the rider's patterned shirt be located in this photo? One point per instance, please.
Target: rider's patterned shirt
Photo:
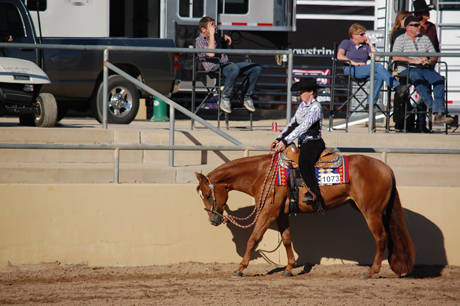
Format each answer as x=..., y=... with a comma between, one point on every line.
x=301, y=124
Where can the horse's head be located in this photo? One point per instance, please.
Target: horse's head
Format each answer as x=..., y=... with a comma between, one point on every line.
x=214, y=198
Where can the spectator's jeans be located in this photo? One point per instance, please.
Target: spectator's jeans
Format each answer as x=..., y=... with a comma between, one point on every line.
x=232, y=71
x=419, y=77
x=381, y=74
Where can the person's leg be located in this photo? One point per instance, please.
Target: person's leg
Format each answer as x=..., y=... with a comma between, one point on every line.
x=418, y=80
x=231, y=72
x=437, y=81
x=364, y=72
x=252, y=70
x=309, y=155
x=385, y=75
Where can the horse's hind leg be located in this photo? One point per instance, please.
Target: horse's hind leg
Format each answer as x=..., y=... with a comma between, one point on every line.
x=284, y=228
x=375, y=223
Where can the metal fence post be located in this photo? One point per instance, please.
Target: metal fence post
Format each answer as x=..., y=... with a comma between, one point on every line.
x=371, y=95
x=289, y=95
x=116, y=166
x=105, y=89
x=171, y=135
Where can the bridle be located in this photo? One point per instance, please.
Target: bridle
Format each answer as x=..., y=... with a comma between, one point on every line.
x=213, y=197
x=257, y=208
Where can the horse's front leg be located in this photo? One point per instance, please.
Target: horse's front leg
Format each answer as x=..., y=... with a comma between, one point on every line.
x=284, y=228
x=265, y=219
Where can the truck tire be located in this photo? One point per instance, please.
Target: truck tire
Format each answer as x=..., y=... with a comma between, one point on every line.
x=45, y=110
x=123, y=101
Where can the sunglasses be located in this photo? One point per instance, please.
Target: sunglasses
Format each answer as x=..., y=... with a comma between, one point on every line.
x=361, y=34
x=415, y=25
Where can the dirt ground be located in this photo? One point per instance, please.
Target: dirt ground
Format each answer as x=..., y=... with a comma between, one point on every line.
x=212, y=284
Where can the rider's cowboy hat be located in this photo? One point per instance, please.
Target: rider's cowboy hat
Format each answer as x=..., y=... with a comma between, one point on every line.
x=305, y=84
x=420, y=6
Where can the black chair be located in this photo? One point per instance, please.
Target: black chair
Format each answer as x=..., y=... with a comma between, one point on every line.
x=418, y=108
x=345, y=85
x=212, y=82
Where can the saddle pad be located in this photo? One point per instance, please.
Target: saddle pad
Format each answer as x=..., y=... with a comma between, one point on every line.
x=333, y=176
x=282, y=175
x=330, y=176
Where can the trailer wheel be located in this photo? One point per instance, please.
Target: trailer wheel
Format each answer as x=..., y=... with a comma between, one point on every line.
x=122, y=104
x=45, y=110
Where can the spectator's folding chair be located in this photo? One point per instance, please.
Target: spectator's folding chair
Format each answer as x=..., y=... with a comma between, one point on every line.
x=354, y=89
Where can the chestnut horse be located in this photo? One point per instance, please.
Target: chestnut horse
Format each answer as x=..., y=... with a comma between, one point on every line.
x=372, y=191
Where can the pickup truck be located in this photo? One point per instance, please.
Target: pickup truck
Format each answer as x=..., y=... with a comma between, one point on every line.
x=76, y=76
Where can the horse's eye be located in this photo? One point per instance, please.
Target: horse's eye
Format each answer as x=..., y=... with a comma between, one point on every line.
x=208, y=197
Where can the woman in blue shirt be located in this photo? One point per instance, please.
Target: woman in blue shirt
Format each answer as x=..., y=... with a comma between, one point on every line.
x=357, y=50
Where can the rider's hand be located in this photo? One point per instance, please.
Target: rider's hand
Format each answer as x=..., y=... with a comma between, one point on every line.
x=280, y=146
x=273, y=145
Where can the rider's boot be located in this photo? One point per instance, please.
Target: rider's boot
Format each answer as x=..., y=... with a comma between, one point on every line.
x=309, y=195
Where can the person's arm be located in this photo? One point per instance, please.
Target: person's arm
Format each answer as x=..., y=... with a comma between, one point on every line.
x=342, y=57
x=373, y=49
x=211, y=30
x=399, y=47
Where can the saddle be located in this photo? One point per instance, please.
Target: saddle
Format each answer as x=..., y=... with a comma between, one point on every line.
x=289, y=159
x=329, y=159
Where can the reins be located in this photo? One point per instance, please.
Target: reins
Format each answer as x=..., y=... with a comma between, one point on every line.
x=257, y=208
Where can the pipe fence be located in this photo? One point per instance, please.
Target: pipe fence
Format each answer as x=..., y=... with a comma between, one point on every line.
x=245, y=148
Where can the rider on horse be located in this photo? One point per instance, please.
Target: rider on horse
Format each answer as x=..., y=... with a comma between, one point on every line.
x=306, y=125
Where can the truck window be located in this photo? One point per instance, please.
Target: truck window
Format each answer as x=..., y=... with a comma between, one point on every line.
x=11, y=21
x=32, y=5
x=233, y=7
x=191, y=8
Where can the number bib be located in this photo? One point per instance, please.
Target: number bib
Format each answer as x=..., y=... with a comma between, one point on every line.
x=333, y=176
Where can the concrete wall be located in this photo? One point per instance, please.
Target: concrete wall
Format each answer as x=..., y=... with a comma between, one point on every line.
x=153, y=224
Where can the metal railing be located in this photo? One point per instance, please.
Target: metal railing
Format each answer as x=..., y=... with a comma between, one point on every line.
x=116, y=149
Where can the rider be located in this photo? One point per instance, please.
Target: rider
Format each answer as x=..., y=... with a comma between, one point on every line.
x=306, y=125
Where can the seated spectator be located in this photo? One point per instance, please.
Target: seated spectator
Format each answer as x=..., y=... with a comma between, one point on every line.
x=357, y=50
x=208, y=40
x=421, y=68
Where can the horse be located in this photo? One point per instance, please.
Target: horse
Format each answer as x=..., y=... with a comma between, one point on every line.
x=371, y=190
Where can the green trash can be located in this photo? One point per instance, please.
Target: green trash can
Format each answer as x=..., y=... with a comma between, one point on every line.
x=159, y=111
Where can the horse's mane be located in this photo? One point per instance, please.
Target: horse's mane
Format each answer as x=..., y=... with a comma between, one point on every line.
x=239, y=167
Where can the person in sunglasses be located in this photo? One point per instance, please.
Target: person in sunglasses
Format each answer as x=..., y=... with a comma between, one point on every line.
x=421, y=67
x=357, y=51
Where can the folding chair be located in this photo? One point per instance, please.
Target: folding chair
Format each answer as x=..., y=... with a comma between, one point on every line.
x=420, y=108
x=213, y=82
x=345, y=84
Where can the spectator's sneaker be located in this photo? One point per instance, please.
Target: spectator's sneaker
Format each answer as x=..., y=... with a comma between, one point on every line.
x=443, y=119
x=249, y=104
x=225, y=105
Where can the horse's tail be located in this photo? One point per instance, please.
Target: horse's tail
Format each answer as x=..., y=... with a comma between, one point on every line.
x=401, y=255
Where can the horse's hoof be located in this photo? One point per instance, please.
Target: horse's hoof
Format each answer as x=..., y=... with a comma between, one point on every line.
x=237, y=274
x=287, y=274
x=365, y=276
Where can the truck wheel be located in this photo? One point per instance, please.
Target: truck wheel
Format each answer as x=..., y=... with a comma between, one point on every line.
x=46, y=111
x=123, y=101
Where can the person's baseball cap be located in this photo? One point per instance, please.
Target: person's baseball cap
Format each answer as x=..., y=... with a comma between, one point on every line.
x=411, y=18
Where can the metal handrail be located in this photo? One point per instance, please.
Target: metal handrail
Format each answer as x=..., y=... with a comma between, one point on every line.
x=244, y=148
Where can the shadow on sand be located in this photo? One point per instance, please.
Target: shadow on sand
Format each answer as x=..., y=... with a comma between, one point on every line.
x=343, y=234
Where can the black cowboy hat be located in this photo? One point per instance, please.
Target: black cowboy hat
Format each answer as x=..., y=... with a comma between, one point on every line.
x=306, y=84
x=420, y=6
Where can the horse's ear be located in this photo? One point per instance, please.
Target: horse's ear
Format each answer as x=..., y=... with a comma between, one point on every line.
x=201, y=177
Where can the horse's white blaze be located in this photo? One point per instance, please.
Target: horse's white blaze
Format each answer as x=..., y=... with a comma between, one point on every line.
x=201, y=194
